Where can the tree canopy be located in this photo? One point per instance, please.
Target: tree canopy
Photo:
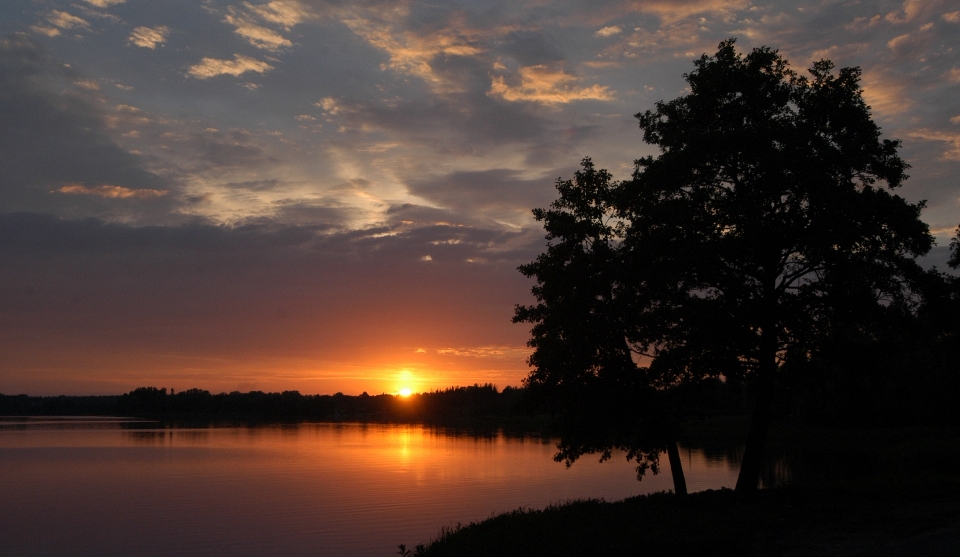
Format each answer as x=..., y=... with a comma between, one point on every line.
x=765, y=225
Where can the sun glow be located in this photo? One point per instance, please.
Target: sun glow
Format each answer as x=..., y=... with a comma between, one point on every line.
x=405, y=383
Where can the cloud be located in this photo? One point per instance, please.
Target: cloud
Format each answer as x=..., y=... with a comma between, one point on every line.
x=544, y=85
x=210, y=67
x=953, y=153
x=954, y=75
x=494, y=192
x=885, y=95
x=148, y=37
x=671, y=11
x=104, y=3
x=112, y=192
x=60, y=20
x=609, y=31
x=65, y=20
x=897, y=41
x=248, y=21
x=952, y=17
x=257, y=35
x=466, y=124
x=907, y=12
x=411, y=51
x=54, y=131
x=280, y=12
x=511, y=352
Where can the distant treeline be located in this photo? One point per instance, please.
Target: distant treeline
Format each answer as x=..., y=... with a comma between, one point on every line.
x=476, y=404
x=872, y=391
x=473, y=406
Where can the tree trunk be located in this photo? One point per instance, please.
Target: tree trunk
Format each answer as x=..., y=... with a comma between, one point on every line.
x=676, y=469
x=749, y=478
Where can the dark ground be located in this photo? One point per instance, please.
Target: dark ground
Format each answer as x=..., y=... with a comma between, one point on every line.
x=855, y=492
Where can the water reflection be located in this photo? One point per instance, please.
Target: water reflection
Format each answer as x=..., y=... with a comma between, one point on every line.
x=309, y=489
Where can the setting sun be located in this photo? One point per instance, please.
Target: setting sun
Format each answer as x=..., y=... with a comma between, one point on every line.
x=405, y=392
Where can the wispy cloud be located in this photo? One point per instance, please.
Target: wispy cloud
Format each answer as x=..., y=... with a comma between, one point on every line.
x=412, y=52
x=107, y=191
x=280, y=12
x=674, y=10
x=210, y=67
x=485, y=352
x=149, y=37
x=544, y=85
x=885, y=95
x=952, y=153
x=60, y=20
x=104, y=3
x=257, y=35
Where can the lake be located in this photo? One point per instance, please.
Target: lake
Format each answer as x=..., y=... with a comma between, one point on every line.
x=108, y=487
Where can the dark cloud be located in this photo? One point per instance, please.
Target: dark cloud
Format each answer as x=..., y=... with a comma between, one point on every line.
x=224, y=150
x=456, y=124
x=488, y=191
x=530, y=47
x=52, y=134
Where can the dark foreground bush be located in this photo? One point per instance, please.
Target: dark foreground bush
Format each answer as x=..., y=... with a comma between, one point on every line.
x=659, y=524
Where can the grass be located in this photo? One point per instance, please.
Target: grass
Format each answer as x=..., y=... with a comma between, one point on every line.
x=852, y=492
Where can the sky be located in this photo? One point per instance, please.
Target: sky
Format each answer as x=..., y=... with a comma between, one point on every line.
x=333, y=195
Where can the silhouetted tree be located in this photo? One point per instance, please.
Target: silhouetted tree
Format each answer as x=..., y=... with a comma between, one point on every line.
x=583, y=366
x=764, y=227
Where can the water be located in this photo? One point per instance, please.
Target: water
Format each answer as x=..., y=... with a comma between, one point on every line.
x=104, y=487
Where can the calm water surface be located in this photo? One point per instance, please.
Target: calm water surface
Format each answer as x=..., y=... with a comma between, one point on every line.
x=103, y=488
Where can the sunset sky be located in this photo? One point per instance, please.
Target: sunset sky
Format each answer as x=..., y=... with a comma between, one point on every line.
x=334, y=195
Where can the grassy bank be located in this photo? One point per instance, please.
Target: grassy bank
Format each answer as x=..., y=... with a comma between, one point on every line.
x=852, y=492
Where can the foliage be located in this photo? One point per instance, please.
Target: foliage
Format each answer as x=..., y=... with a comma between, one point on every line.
x=764, y=230
x=583, y=367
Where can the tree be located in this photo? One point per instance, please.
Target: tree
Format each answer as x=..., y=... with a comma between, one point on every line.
x=765, y=226
x=582, y=363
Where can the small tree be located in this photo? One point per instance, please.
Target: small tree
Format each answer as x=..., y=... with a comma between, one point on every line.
x=760, y=230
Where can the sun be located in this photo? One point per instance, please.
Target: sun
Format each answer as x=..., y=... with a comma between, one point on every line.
x=405, y=392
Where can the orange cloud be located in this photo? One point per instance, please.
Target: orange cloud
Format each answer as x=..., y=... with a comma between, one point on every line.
x=280, y=12
x=60, y=20
x=885, y=96
x=112, y=192
x=411, y=52
x=149, y=37
x=210, y=67
x=547, y=86
x=256, y=35
x=512, y=352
